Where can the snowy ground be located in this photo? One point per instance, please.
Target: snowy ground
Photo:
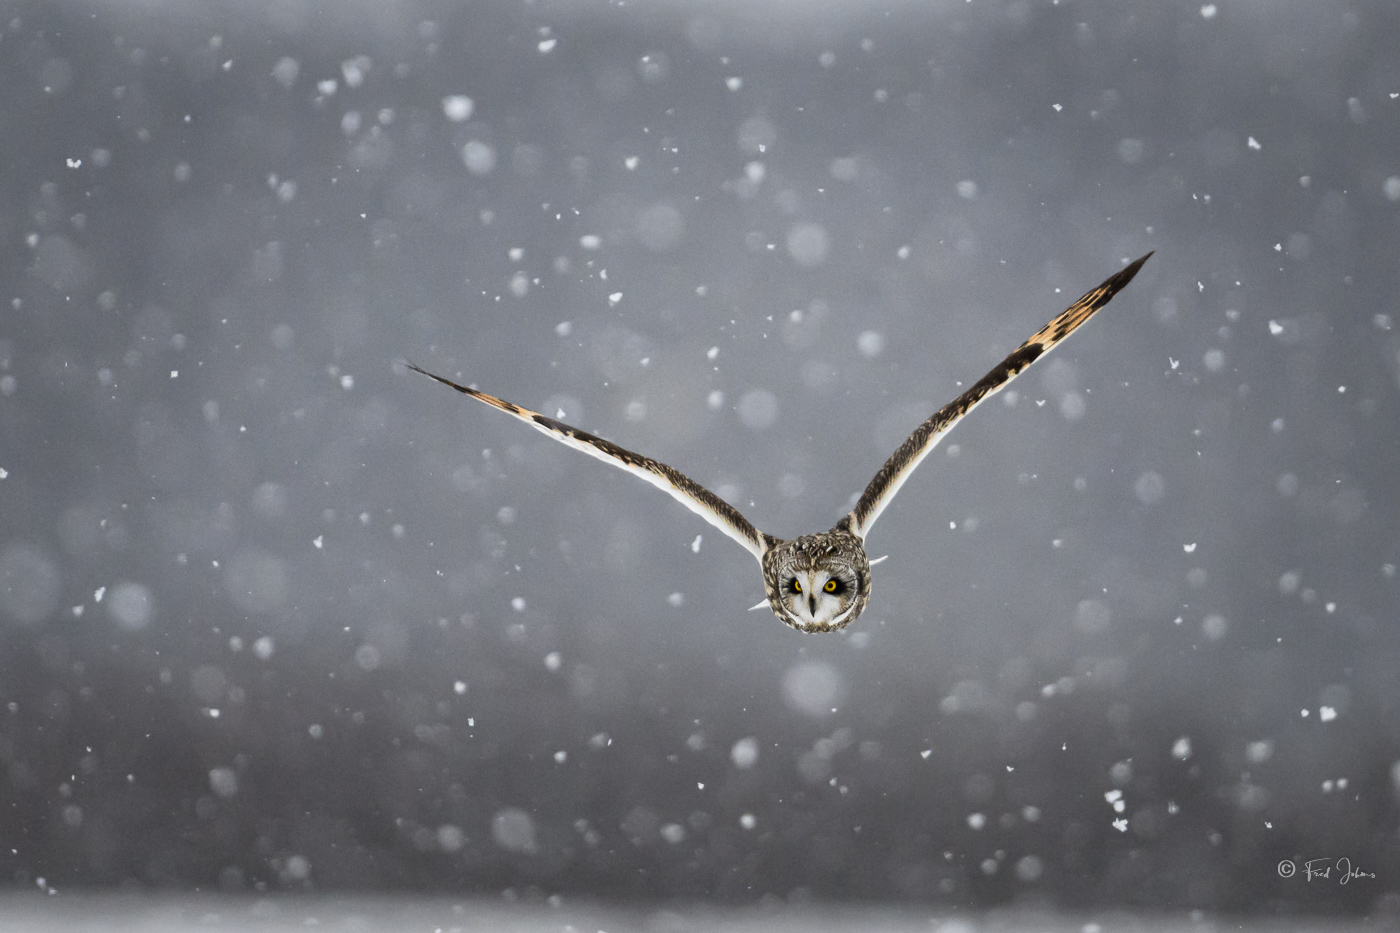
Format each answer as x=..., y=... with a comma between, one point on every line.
x=163, y=914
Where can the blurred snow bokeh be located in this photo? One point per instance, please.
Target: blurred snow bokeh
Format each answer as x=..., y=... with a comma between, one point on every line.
x=277, y=615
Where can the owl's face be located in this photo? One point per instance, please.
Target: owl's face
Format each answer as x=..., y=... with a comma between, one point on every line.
x=818, y=583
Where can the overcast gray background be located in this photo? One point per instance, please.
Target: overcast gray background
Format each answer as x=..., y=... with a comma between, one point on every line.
x=277, y=614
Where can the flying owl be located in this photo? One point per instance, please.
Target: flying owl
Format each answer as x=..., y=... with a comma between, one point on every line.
x=820, y=582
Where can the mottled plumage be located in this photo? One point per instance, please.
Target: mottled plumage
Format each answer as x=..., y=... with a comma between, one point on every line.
x=821, y=582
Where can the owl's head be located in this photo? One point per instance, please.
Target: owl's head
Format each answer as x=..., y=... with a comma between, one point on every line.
x=818, y=583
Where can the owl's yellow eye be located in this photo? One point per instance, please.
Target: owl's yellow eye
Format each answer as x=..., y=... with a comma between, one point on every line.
x=796, y=587
x=831, y=585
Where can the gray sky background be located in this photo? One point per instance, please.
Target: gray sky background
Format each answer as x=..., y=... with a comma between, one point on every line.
x=275, y=613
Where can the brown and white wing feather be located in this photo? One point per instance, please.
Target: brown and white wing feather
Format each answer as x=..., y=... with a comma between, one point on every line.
x=926, y=436
x=681, y=487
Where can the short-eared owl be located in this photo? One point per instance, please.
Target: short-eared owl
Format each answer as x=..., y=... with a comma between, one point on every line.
x=821, y=582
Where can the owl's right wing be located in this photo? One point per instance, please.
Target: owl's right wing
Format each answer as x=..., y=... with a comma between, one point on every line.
x=681, y=487
x=926, y=436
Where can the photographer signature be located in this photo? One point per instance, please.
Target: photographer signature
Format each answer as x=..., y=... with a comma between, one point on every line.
x=1322, y=869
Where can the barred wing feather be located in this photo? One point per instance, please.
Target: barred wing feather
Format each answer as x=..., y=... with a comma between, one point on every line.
x=926, y=436
x=681, y=487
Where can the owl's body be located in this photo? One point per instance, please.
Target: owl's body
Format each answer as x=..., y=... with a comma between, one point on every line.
x=821, y=582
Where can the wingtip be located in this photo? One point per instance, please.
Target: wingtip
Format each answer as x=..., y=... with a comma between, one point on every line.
x=1136, y=264
x=436, y=378
x=1125, y=275
x=419, y=369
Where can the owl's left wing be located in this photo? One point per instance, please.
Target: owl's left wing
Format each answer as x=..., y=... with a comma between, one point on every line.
x=681, y=487
x=926, y=436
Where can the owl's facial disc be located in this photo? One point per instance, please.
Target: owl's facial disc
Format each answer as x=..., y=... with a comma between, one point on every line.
x=818, y=600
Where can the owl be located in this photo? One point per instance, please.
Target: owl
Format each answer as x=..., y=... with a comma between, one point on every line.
x=820, y=582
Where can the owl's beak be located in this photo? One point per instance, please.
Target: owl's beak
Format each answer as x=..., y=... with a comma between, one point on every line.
x=812, y=604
